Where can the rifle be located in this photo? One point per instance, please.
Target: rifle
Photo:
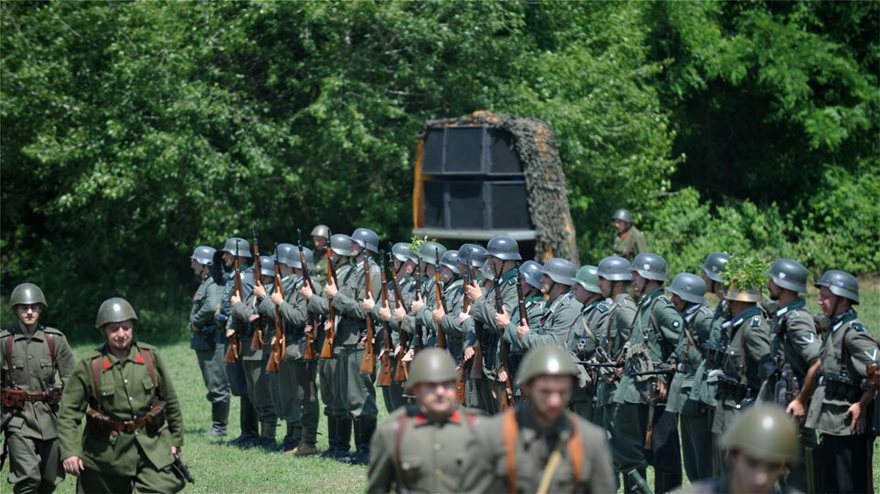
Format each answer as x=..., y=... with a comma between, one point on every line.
x=182, y=469
x=310, y=352
x=234, y=348
x=664, y=369
x=786, y=388
x=476, y=371
x=384, y=379
x=257, y=340
x=274, y=363
x=506, y=400
x=441, y=299
x=400, y=372
x=418, y=340
x=368, y=361
x=652, y=406
x=327, y=348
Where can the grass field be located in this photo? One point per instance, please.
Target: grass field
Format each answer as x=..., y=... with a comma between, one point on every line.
x=223, y=469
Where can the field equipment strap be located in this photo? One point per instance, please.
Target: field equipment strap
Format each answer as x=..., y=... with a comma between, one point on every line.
x=510, y=430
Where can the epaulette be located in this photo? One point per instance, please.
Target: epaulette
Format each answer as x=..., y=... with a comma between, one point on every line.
x=858, y=326
x=664, y=299
x=145, y=346
x=706, y=311
x=756, y=322
x=511, y=281
x=4, y=333
x=602, y=307
x=53, y=331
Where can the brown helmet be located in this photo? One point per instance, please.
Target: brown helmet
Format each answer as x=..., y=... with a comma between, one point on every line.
x=764, y=432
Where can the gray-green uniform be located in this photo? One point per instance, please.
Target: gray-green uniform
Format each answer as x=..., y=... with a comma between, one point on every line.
x=534, y=311
x=656, y=330
x=629, y=243
x=581, y=340
x=393, y=395
x=683, y=397
x=847, y=349
x=704, y=389
x=133, y=459
x=795, y=346
x=422, y=318
x=235, y=375
x=209, y=342
x=31, y=431
x=454, y=331
x=612, y=338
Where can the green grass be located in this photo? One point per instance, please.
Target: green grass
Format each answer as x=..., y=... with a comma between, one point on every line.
x=221, y=468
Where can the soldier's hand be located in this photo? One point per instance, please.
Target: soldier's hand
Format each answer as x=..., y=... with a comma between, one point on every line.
x=277, y=298
x=308, y=328
x=368, y=303
x=73, y=465
x=522, y=329
x=306, y=291
x=408, y=356
x=469, y=353
x=417, y=304
x=437, y=315
x=463, y=315
x=502, y=375
x=230, y=332
x=661, y=390
x=857, y=425
x=234, y=299
x=274, y=340
x=327, y=325
x=259, y=290
x=796, y=409
x=399, y=313
x=385, y=312
x=330, y=290
x=175, y=450
x=502, y=319
x=253, y=317
x=472, y=291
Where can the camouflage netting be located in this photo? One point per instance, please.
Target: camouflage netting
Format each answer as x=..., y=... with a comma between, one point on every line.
x=545, y=181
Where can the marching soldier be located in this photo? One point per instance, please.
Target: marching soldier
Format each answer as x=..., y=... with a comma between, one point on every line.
x=31, y=354
x=539, y=446
x=687, y=292
x=560, y=308
x=208, y=340
x=421, y=447
x=629, y=241
x=759, y=445
x=795, y=349
x=471, y=259
x=644, y=433
x=445, y=318
x=134, y=427
x=583, y=338
x=321, y=237
x=842, y=406
x=420, y=319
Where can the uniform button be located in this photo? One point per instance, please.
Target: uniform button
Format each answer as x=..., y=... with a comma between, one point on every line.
x=130, y=398
x=125, y=381
x=136, y=433
x=30, y=356
x=437, y=447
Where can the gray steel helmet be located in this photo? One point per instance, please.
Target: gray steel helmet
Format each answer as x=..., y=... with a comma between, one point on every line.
x=340, y=244
x=428, y=252
x=841, y=284
x=282, y=250
x=267, y=266
x=450, y=260
x=504, y=248
x=650, y=266
x=560, y=270
x=244, y=248
x=321, y=231
x=115, y=309
x=747, y=294
x=468, y=253
x=689, y=287
x=431, y=365
x=547, y=360
x=614, y=268
x=292, y=258
x=764, y=432
x=788, y=274
x=367, y=239
x=403, y=252
x=623, y=215
x=531, y=273
x=26, y=294
x=714, y=264
x=588, y=278
x=203, y=255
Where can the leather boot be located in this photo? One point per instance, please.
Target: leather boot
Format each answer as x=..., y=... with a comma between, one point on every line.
x=364, y=428
x=332, y=437
x=247, y=418
x=219, y=417
x=666, y=481
x=344, y=438
x=267, y=434
x=291, y=438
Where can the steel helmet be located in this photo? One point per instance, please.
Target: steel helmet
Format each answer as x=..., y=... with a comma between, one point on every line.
x=747, y=294
x=560, y=270
x=650, y=266
x=623, y=215
x=321, y=231
x=450, y=260
x=531, y=273
x=367, y=239
x=841, y=284
x=26, y=294
x=403, y=252
x=764, y=432
x=340, y=244
x=714, y=264
x=615, y=268
x=238, y=247
x=429, y=251
x=431, y=365
x=267, y=266
x=468, y=252
x=588, y=278
x=282, y=250
x=689, y=287
x=547, y=360
x=504, y=248
x=203, y=255
x=788, y=274
x=292, y=259
x=114, y=309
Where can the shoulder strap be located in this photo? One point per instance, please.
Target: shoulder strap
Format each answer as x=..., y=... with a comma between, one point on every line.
x=151, y=369
x=10, y=340
x=509, y=430
x=575, y=451
x=50, y=342
x=398, y=441
x=96, y=379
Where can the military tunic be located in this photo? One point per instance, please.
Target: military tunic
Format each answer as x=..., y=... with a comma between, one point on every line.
x=534, y=312
x=612, y=337
x=483, y=312
x=208, y=340
x=581, y=341
x=393, y=395
x=31, y=433
x=124, y=461
x=487, y=467
x=411, y=453
x=235, y=372
x=630, y=243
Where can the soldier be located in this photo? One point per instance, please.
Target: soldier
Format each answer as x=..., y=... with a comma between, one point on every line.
x=471, y=259
x=30, y=395
x=238, y=250
x=746, y=342
x=560, y=309
x=297, y=373
x=446, y=317
x=795, y=351
x=841, y=408
x=643, y=432
x=253, y=356
x=420, y=322
x=583, y=338
x=696, y=426
x=125, y=392
x=539, y=446
x=420, y=448
x=759, y=444
x=321, y=236
x=208, y=340
x=338, y=419
x=629, y=241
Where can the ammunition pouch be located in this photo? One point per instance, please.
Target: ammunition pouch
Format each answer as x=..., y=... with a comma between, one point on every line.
x=839, y=387
x=714, y=354
x=152, y=422
x=730, y=388
x=16, y=398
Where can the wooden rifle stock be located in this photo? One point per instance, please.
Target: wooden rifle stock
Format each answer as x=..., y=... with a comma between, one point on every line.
x=310, y=352
x=327, y=348
x=233, y=350
x=441, y=299
x=400, y=372
x=368, y=361
x=257, y=340
x=386, y=370
x=506, y=399
x=280, y=345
